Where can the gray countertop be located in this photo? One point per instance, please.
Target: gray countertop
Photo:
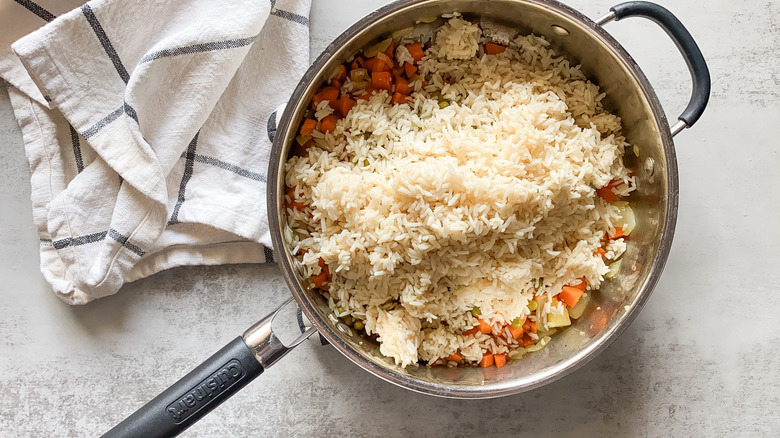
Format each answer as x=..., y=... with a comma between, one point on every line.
x=702, y=359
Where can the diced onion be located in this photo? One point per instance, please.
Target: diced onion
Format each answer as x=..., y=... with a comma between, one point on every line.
x=322, y=144
x=614, y=268
x=627, y=217
x=517, y=354
x=384, y=58
x=579, y=308
x=360, y=79
x=381, y=46
x=359, y=74
x=558, y=320
x=360, y=85
x=398, y=34
x=426, y=19
x=630, y=221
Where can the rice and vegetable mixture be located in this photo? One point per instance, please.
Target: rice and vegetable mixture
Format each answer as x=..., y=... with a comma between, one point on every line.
x=458, y=198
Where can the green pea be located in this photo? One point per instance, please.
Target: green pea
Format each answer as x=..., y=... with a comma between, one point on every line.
x=532, y=305
x=358, y=325
x=517, y=322
x=475, y=311
x=443, y=104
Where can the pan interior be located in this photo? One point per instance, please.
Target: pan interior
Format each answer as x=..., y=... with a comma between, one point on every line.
x=628, y=95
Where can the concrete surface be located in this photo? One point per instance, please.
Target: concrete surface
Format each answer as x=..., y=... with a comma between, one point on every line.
x=703, y=358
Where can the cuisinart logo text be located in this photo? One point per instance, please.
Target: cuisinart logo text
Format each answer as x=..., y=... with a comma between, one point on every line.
x=206, y=391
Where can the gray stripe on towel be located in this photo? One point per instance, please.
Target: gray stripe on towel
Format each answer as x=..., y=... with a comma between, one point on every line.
x=269, y=254
x=74, y=138
x=114, y=234
x=188, y=165
x=102, y=123
x=300, y=19
x=77, y=241
x=231, y=167
x=37, y=9
x=195, y=48
x=105, y=42
x=130, y=111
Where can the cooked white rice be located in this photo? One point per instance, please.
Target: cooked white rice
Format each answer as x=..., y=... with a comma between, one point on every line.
x=441, y=210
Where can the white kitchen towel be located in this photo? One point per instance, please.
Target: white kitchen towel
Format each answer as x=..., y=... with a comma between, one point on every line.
x=150, y=149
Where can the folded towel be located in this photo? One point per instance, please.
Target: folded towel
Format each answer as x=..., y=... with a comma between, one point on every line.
x=148, y=127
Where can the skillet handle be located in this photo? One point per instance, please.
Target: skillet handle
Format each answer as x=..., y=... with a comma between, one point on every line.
x=687, y=46
x=195, y=395
x=210, y=384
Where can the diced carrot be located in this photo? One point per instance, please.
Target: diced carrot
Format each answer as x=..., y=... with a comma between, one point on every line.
x=607, y=194
x=382, y=66
x=570, y=295
x=598, y=321
x=341, y=73
x=526, y=341
x=319, y=279
x=397, y=71
x=328, y=124
x=328, y=93
x=415, y=49
x=424, y=84
x=516, y=332
x=617, y=234
x=494, y=49
x=324, y=266
x=398, y=99
x=410, y=69
x=344, y=104
x=455, y=357
x=307, y=127
x=599, y=252
x=471, y=331
x=390, y=50
x=487, y=360
x=529, y=326
x=582, y=285
x=402, y=86
x=499, y=359
x=376, y=65
x=484, y=327
x=387, y=60
x=335, y=83
x=356, y=63
x=382, y=80
x=302, y=150
x=293, y=203
x=367, y=94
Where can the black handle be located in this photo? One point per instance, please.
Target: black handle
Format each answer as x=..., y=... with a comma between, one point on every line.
x=687, y=46
x=195, y=395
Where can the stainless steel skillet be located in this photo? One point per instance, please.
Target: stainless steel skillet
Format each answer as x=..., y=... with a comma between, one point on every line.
x=614, y=306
